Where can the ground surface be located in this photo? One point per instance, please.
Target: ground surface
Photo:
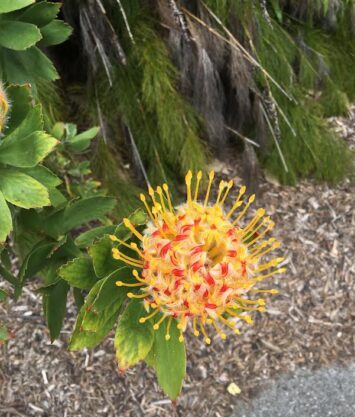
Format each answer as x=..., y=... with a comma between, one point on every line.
x=324, y=393
x=310, y=324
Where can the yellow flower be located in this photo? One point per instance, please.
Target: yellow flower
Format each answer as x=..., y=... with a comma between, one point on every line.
x=197, y=262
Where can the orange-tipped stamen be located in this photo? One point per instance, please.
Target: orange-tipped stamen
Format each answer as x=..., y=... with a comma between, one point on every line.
x=253, y=230
x=272, y=291
x=161, y=198
x=167, y=334
x=210, y=181
x=128, y=284
x=166, y=189
x=132, y=295
x=150, y=214
x=278, y=271
x=188, y=178
x=250, y=201
x=159, y=322
x=198, y=180
x=222, y=335
x=125, y=258
x=246, y=318
x=229, y=186
x=221, y=187
x=268, y=265
x=137, y=277
x=130, y=226
x=203, y=331
x=258, y=215
x=237, y=202
x=261, y=235
x=144, y=319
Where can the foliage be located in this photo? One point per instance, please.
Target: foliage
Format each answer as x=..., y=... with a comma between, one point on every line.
x=245, y=70
x=106, y=306
x=22, y=32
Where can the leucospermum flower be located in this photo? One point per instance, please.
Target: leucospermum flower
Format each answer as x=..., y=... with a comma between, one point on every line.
x=198, y=264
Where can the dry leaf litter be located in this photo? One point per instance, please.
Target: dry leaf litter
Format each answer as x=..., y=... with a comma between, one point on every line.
x=311, y=323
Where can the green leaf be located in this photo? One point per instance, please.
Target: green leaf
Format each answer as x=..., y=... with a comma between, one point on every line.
x=82, y=338
x=133, y=340
x=38, y=64
x=170, y=360
x=34, y=262
x=27, y=145
x=14, y=70
x=3, y=295
x=11, y=5
x=18, y=35
x=277, y=9
x=101, y=254
x=21, y=103
x=87, y=238
x=26, y=151
x=4, y=334
x=5, y=219
x=54, y=305
x=40, y=14
x=23, y=191
x=55, y=33
x=79, y=273
x=107, y=301
x=43, y=175
x=82, y=141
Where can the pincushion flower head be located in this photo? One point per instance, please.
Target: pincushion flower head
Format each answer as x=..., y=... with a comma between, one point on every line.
x=196, y=264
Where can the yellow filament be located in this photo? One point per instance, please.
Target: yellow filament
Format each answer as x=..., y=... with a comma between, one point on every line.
x=159, y=322
x=260, y=302
x=119, y=255
x=196, y=332
x=203, y=331
x=262, y=234
x=137, y=277
x=198, y=176
x=167, y=334
x=151, y=193
x=210, y=181
x=160, y=193
x=150, y=214
x=237, y=202
x=144, y=319
x=229, y=186
x=181, y=337
x=272, y=291
x=126, y=284
x=261, y=309
x=132, y=295
x=134, y=246
x=270, y=264
x=166, y=189
x=130, y=226
x=247, y=319
x=222, y=184
x=250, y=201
x=258, y=215
x=228, y=323
x=254, y=229
x=218, y=330
x=278, y=271
x=262, y=246
x=188, y=178
x=261, y=254
x=121, y=242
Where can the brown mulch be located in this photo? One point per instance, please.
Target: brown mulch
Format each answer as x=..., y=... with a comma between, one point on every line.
x=311, y=323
